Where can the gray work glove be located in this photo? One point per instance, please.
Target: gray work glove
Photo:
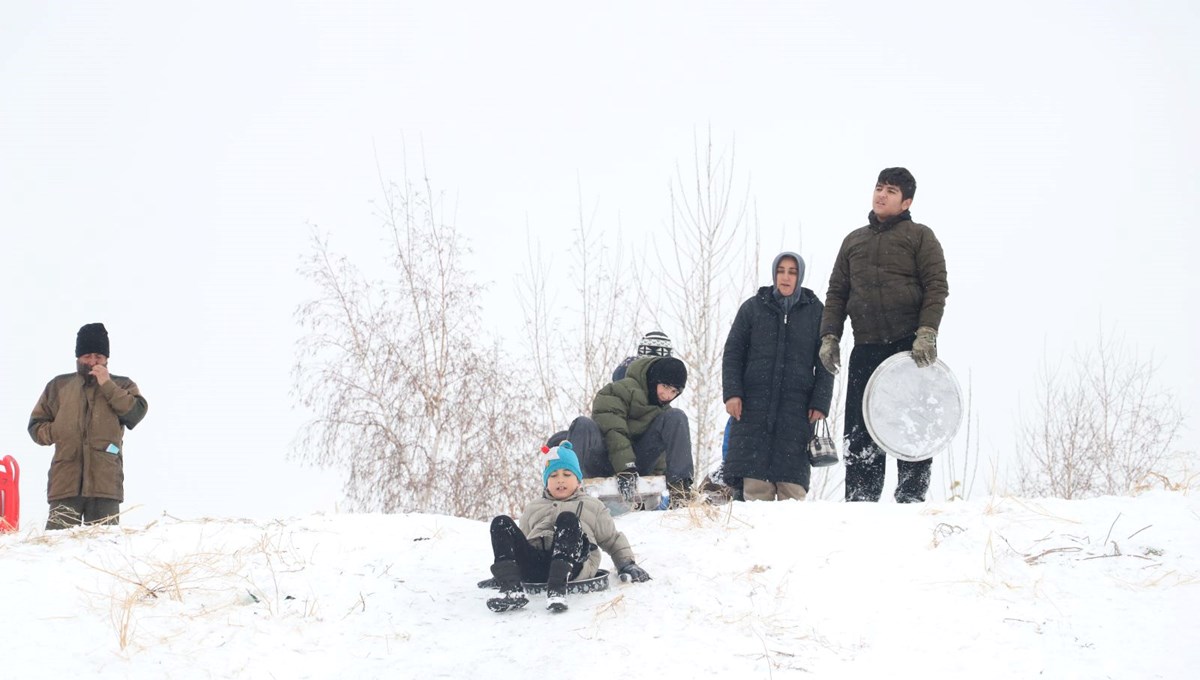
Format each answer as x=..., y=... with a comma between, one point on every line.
x=924, y=350
x=632, y=572
x=831, y=353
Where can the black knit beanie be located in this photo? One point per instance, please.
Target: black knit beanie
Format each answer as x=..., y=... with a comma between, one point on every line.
x=667, y=371
x=91, y=339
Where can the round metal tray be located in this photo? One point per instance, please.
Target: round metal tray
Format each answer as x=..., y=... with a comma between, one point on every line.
x=912, y=413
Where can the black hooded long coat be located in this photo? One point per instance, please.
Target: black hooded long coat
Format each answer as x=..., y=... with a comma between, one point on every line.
x=771, y=362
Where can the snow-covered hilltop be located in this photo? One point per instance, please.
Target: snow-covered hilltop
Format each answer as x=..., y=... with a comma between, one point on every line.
x=1005, y=588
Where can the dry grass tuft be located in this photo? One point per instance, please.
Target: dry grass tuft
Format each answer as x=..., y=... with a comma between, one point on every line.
x=146, y=581
x=700, y=513
x=943, y=531
x=223, y=575
x=1188, y=481
x=612, y=609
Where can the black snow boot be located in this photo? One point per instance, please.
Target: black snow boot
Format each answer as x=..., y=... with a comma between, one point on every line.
x=566, y=556
x=680, y=493
x=556, y=585
x=512, y=594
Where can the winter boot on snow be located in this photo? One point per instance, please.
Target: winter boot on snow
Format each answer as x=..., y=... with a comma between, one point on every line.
x=567, y=553
x=556, y=586
x=680, y=493
x=512, y=594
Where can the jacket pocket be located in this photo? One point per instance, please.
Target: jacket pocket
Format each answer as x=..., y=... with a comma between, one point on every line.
x=106, y=471
x=105, y=446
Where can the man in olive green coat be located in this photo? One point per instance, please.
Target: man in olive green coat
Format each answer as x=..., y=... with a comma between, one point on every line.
x=890, y=278
x=84, y=416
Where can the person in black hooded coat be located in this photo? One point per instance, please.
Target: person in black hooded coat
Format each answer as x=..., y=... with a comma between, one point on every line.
x=774, y=385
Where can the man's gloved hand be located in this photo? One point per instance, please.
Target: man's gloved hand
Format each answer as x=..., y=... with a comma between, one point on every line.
x=924, y=350
x=831, y=353
x=627, y=482
x=632, y=572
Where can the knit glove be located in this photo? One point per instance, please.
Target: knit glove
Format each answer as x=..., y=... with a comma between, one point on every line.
x=831, y=353
x=627, y=482
x=924, y=350
x=632, y=572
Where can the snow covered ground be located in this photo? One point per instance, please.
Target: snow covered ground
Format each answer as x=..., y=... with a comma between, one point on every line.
x=999, y=588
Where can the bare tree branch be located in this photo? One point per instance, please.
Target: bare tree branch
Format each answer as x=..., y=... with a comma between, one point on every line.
x=410, y=399
x=1099, y=430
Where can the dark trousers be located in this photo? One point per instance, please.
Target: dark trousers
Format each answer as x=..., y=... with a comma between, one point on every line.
x=569, y=544
x=664, y=448
x=865, y=461
x=80, y=510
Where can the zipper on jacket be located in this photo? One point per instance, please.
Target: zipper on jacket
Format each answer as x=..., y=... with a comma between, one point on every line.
x=84, y=457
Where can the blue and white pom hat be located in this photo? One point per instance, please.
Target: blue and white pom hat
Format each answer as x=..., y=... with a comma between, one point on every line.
x=559, y=458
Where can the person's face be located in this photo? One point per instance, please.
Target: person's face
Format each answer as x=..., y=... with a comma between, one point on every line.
x=666, y=393
x=562, y=484
x=84, y=363
x=787, y=274
x=888, y=201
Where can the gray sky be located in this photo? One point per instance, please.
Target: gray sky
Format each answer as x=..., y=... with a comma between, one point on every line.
x=160, y=164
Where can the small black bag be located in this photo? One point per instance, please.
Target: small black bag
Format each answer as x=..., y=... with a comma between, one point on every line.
x=822, y=452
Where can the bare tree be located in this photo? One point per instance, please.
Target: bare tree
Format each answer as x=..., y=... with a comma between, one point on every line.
x=607, y=316
x=575, y=346
x=703, y=262
x=1101, y=429
x=533, y=295
x=408, y=396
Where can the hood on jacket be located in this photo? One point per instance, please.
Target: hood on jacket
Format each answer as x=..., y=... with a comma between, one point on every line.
x=786, y=301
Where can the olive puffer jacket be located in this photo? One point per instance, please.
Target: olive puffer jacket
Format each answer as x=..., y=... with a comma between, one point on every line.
x=623, y=412
x=890, y=278
x=86, y=421
x=537, y=523
x=771, y=363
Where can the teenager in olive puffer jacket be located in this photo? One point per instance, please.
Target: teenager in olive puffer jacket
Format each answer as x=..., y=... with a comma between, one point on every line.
x=890, y=279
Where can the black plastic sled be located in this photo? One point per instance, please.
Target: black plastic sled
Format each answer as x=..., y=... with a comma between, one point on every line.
x=594, y=584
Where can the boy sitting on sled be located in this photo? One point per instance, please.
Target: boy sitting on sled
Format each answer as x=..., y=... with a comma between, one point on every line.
x=557, y=539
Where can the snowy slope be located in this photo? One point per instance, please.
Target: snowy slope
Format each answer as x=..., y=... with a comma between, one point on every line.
x=1006, y=588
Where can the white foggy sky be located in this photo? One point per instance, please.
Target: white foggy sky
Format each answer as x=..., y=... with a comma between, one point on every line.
x=160, y=164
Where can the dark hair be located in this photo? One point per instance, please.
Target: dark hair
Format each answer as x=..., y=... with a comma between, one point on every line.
x=899, y=177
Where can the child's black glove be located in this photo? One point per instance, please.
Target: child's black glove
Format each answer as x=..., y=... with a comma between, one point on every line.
x=627, y=481
x=632, y=572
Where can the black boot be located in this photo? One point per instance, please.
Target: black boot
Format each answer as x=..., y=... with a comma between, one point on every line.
x=512, y=595
x=556, y=585
x=567, y=553
x=680, y=493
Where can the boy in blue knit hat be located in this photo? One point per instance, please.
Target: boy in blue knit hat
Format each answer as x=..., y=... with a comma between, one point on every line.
x=557, y=538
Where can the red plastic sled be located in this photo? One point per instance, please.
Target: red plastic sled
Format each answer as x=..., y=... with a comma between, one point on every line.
x=10, y=494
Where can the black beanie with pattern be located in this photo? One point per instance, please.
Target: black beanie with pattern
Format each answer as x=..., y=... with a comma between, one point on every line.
x=654, y=344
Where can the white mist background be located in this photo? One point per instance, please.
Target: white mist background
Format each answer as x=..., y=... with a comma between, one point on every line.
x=161, y=167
